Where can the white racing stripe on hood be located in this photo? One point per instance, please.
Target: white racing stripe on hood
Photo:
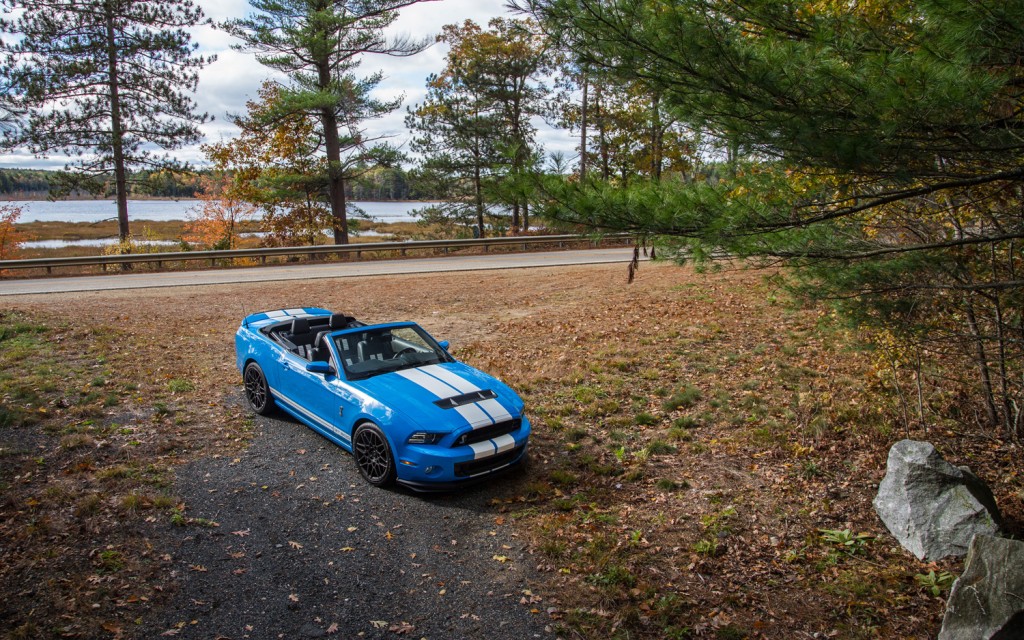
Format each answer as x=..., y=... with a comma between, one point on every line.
x=493, y=408
x=459, y=383
x=473, y=414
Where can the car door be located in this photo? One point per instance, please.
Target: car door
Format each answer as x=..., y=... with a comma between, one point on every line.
x=323, y=399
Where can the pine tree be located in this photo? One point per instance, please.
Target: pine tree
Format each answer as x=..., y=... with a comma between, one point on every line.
x=319, y=45
x=104, y=81
x=874, y=147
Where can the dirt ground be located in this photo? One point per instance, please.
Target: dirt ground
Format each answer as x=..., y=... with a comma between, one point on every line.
x=701, y=453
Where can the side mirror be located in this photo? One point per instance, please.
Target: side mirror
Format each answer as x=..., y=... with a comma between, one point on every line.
x=443, y=344
x=319, y=367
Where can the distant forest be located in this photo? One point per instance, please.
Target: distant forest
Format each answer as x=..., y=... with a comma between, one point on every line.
x=377, y=184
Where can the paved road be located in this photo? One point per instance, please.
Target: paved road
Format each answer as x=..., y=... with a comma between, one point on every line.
x=312, y=271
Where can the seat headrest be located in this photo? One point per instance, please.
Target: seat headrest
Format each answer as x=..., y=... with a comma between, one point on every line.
x=340, y=321
x=300, y=325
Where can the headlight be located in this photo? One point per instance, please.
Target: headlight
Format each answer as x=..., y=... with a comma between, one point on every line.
x=424, y=437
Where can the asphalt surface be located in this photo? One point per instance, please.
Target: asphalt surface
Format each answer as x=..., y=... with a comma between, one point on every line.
x=304, y=548
x=311, y=271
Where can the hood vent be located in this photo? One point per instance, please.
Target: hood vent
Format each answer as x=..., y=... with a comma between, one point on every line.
x=466, y=398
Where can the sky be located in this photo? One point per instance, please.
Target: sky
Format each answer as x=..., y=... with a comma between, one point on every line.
x=235, y=76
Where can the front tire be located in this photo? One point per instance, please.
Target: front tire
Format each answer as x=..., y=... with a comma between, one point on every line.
x=257, y=392
x=373, y=455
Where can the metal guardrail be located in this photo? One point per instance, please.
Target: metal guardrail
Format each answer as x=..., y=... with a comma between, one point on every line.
x=263, y=253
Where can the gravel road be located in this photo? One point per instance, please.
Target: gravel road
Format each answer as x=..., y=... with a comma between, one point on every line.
x=304, y=548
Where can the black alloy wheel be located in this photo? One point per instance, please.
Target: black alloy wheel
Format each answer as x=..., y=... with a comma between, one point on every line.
x=256, y=390
x=373, y=455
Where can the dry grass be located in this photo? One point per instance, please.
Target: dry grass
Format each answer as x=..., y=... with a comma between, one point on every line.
x=691, y=438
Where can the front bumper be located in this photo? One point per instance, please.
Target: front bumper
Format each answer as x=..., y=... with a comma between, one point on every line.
x=436, y=486
x=435, y=466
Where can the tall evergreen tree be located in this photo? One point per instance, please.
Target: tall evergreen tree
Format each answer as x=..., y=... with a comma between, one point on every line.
x=104, y=80
x=883, y=156
x=319, y=45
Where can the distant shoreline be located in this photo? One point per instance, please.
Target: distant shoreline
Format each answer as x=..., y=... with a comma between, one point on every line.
x=38, y=198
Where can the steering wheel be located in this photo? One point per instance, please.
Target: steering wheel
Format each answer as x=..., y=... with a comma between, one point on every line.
x=403, y=352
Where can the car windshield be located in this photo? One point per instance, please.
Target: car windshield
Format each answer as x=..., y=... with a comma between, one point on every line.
x=378, y=350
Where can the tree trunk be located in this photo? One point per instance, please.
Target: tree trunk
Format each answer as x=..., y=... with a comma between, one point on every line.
x=583, y=130
x=983, y=368
x=117, y=131
x=601, y=141
x=335, y=174
x=478, y=192
x=656, y=136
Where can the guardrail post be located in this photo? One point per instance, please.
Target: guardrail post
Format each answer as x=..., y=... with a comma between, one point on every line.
x=401, y=252
x=49, y=270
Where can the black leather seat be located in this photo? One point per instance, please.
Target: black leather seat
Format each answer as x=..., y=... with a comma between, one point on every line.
x=340, y=321
x=321, y=351
x=375, y=347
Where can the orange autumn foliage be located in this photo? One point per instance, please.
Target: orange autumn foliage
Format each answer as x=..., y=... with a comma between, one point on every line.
x=10, y=237
x=214, y=223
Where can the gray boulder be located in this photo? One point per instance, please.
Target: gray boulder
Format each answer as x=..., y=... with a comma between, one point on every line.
x=931, y=507
x=987, y=601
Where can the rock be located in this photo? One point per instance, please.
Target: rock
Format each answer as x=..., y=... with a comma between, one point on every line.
x=987, y=601
x=931, y=507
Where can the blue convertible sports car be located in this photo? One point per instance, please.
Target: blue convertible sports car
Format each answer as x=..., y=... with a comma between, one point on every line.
x=388, y=393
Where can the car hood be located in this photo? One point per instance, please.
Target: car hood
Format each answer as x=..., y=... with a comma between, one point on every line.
x=413, y=392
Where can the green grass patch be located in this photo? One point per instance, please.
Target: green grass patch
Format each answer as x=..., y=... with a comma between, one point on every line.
x=685, y=397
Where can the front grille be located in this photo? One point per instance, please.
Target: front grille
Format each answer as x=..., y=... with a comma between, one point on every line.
x=486, y=433
x=476, y=467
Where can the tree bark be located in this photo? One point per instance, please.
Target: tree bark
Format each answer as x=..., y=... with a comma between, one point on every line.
x=478, y=192
x=983, y=369
x=583, y=129
x=335, y=173
x=656, y=137
x=602, y=141
x=117, y=130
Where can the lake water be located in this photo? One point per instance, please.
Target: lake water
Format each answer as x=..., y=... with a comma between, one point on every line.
x=161, y=210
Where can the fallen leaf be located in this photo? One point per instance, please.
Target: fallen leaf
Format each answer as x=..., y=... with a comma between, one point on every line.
x=294, y=597
x=294, y=545
x=402, y=628
x=241, y=533
x=379, y=624
x=332, y=629
x=501, y=558
x=197, y=567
